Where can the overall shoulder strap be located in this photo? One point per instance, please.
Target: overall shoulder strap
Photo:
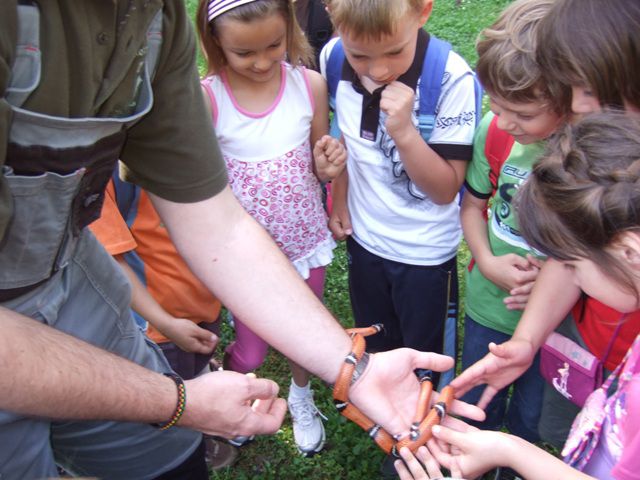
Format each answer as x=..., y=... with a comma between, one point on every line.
x=25, y=72
x=497, y=147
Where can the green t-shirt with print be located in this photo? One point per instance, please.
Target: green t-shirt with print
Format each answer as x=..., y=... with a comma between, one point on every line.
x=484, y=300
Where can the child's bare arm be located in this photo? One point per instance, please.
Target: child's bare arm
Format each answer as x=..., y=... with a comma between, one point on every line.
x=439, y=178
x=329, y=154
x=477, y=451
x=339, y=219
x=184, y=333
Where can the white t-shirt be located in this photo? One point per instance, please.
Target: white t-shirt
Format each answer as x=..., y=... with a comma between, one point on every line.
x=390, y=216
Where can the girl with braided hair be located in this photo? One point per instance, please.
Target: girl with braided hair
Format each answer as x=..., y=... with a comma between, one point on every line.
x=581, y=207
x=589, y=51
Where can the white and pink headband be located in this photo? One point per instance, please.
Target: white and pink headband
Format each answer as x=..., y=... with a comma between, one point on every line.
x=218, y=7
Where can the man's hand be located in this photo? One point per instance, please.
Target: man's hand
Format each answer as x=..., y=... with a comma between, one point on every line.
x=388, y=390
x=500, y=367
x=230, y=404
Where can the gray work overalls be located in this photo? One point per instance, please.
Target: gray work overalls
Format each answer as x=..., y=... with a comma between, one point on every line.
x=53, y=270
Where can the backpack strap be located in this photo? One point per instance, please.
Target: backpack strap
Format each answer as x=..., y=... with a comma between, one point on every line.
x=333, y=71
x=430, y=85
x=497, y=147
x=127, y=196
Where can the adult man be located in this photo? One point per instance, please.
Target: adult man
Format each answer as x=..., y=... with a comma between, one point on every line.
x=96, y=95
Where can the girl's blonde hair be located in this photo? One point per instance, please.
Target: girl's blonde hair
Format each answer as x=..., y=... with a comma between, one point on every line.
x=371, y=18
x=507, y=65
x=585, y=192
x=299, y=52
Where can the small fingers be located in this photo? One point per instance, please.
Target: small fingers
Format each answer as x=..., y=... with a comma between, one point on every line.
x=454, y=467
x=487, y=395
x=419, y=466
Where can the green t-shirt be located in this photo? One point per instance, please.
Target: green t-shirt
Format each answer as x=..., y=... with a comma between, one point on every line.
x=484, y=300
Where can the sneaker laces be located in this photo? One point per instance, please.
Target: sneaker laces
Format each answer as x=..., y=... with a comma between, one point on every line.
x=304, y=410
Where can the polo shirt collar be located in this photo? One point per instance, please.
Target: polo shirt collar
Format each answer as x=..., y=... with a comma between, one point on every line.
x=371, y=100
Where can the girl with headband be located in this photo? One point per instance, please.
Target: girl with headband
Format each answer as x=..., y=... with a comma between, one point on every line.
x=271, y=118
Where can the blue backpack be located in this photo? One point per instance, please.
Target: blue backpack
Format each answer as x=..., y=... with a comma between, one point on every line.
x=430, y=85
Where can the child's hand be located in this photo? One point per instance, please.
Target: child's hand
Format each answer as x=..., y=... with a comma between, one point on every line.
x=330, y=158
x=340, y=221
x=509, y=271
x=472, y=452
x=519, y=296
x=190, y=337
x=420, y=466
x=397, y=101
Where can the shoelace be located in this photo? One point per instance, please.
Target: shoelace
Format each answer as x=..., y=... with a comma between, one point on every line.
x=304, y=410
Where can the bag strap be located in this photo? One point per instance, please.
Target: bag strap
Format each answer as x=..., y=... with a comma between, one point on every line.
x=333, y=73
x=618, y=370
x=430, y=85
x=497, y=147
x=613, y=337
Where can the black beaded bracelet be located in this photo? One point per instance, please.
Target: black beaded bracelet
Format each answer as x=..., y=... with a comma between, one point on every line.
x=181, y=404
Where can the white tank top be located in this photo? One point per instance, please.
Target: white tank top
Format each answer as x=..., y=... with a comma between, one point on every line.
x=269, y=160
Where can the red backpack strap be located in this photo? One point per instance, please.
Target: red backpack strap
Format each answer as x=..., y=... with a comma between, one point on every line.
x=497, y=147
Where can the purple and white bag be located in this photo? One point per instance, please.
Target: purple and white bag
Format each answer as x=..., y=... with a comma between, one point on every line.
x=572, y=370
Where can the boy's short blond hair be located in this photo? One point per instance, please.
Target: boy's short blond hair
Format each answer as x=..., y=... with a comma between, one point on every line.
x=371, y=18
x=507, y=65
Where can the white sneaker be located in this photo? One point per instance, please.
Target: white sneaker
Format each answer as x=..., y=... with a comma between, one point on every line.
x=308, y=430
x=241, y=440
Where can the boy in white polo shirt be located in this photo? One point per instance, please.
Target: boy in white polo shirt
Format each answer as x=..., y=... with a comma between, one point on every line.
x=396, y=203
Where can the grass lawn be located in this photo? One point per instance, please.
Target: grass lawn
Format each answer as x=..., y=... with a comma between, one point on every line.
x=349, y=453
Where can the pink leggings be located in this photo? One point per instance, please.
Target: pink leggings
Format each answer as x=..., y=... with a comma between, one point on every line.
x=248, y=351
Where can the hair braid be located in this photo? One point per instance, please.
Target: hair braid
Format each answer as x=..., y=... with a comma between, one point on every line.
x=585, y=191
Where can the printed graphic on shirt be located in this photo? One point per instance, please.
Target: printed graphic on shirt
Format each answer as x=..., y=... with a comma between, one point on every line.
x=503, y=221
x=465, y=118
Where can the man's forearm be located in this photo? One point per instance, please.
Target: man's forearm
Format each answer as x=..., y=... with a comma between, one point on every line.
x=44, y=372
x=235, y=257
